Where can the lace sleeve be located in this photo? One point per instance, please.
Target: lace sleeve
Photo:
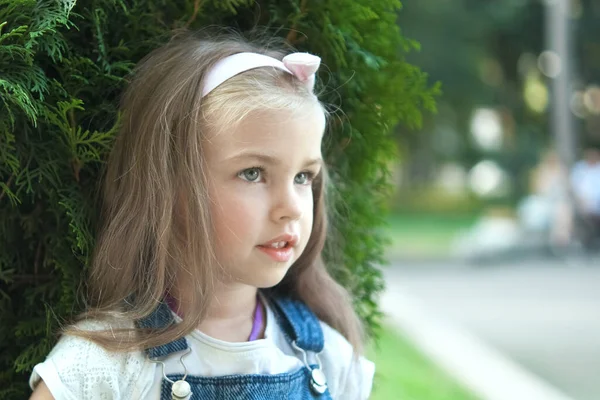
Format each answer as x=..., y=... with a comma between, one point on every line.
x=80, y=369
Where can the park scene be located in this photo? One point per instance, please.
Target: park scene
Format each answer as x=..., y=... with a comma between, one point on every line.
x=461, y=194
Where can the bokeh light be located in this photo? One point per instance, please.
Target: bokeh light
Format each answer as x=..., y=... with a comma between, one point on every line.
x=486, y=129
x=550, y=64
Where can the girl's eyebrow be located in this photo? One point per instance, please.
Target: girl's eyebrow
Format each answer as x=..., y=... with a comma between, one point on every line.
x=270, y=160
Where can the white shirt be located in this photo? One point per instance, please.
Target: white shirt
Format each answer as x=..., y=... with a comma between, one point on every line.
x=77, y=368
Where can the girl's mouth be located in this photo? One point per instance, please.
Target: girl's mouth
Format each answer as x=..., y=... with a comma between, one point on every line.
x=278, y=251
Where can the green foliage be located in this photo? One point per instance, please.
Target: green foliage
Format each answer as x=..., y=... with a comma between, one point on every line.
x=63, y=66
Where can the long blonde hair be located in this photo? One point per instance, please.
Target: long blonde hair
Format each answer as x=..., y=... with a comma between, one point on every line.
x=155, y=212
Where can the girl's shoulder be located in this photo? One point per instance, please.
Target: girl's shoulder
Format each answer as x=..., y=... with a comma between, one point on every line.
x=78, y=368
x=353, y=375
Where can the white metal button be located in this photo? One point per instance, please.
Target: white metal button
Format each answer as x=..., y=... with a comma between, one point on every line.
x=181, y=390
x=318, y=382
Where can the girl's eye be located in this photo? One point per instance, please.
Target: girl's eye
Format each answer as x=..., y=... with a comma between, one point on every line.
x=304, y=178
x=251, y=174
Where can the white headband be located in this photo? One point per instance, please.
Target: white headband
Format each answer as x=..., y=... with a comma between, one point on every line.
x=302, y=65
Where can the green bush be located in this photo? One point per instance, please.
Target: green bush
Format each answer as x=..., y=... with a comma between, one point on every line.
x=63, y=65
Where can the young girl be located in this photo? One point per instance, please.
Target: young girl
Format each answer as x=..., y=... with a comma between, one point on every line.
x=207, y=280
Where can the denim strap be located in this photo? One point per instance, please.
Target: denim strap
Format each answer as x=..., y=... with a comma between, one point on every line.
x=159, y=319
x=299, y=323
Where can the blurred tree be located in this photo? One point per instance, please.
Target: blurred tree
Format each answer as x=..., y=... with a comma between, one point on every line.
x=485, y=55
x=587, y=14
x=473, y=48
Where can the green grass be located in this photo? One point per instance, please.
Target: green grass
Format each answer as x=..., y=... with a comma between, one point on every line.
x=402, y=373
x=418, y=234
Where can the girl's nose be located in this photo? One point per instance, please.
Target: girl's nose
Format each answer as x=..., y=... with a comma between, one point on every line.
x=287, y=204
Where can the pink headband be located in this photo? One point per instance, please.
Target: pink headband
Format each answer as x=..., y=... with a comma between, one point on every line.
x=302, y=65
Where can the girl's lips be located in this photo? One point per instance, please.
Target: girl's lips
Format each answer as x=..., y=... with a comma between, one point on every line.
x=283, y=254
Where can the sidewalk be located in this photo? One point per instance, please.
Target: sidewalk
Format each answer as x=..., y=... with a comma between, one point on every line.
x=528, y=331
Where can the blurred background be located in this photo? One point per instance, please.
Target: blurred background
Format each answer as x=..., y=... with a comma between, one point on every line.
x=495, y=218
x=500, y=147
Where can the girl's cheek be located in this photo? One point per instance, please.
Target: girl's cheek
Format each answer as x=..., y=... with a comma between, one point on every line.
x=308, y=197
x=243, y=204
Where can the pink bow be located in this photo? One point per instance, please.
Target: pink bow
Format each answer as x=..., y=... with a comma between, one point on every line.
x=303, y=66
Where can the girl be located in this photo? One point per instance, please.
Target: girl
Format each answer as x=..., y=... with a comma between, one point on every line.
x=207, y=280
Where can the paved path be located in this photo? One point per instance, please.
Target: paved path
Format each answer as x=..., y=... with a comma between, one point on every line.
x=545, y=315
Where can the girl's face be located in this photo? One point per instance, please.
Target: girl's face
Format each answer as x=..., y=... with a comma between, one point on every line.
x=260, y=177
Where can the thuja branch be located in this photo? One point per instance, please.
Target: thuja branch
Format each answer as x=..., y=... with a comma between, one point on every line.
x=7, y=184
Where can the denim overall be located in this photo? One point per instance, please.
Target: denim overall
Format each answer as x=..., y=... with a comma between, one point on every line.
x=302, y=330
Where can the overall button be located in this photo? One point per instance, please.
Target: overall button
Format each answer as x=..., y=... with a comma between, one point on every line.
x=181, y=390
x=318, y=382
